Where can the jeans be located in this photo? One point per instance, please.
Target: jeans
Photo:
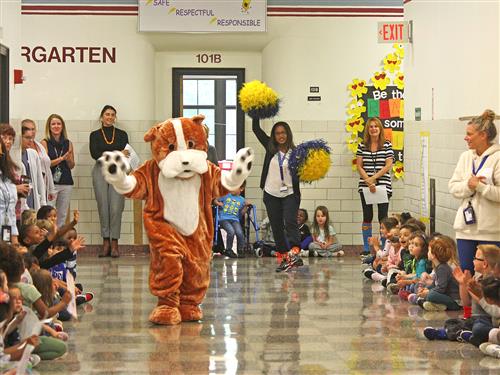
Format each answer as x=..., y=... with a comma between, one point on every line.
x=443, y=299
x=233, y=228
x=282, y=213
x=480, y=330
x=467, y=251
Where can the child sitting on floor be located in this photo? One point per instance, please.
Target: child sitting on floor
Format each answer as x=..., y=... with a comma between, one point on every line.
x=325, y=243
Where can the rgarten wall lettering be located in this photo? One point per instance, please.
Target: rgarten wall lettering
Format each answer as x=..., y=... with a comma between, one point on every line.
x=91, y=55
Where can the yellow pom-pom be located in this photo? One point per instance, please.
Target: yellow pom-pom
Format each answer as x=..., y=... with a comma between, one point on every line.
x=315, y=167
x=258, y=100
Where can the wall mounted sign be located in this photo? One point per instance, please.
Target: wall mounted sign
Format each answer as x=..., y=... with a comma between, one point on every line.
x=393, y=32
x=203, y=16
x=66, y=54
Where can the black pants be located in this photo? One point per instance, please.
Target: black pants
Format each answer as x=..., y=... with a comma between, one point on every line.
x=282, y=213
x=383, y=209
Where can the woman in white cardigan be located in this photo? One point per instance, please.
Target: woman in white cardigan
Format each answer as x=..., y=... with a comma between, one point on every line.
x=45, y=162
x=476, y=182
x=32, y=167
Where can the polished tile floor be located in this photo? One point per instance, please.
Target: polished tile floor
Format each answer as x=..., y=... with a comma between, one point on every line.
x=322, y=318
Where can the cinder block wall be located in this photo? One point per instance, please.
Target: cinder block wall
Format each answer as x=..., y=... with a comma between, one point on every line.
x=446, y=145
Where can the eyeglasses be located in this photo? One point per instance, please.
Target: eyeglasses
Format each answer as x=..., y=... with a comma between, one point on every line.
x=479, y=259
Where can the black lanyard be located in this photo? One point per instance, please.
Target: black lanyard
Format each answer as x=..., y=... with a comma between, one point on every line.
x=474, y=170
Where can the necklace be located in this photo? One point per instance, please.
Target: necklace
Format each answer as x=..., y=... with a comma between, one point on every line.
x=112, y=137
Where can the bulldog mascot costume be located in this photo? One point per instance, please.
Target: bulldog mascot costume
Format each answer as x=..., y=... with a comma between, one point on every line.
x=178, y=185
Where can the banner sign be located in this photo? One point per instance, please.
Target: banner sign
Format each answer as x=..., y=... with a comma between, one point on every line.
x=202, y=15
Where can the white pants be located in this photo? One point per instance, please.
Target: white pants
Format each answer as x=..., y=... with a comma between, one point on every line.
x=61, y=203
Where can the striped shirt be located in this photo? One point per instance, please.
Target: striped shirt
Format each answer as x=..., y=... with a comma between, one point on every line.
x=373, y=162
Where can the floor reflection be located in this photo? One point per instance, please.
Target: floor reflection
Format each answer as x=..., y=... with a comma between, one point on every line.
x=322, y=318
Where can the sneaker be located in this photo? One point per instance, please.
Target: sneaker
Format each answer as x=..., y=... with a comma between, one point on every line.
x=464, y=336
x=420, y=302
x=82, y=298
x=230, y=254
x=283, y=263
x=432, y=333
x=393, y=288
x=384, y=283
x=403, y=294
x=58, y=327
x=287, y=264
x=241, y=255
x=493, y=350
x=34, y=360
x=412, y=298
x=304, y=253
x=368, y=273
x=431, y=306
x=378, y=277
x=339, y=253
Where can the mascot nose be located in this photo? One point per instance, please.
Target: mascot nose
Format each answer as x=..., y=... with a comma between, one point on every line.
x=185, y=163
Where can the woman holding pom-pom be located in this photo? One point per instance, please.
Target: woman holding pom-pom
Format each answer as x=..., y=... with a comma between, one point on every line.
x=281, y=187
x=281, y=191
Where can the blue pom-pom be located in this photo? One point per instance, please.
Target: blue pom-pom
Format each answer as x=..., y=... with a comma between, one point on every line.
x=299, y=154
x=264, y=112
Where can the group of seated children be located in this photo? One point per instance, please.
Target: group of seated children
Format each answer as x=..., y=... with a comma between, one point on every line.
x=425, y=271
x=37, y=287
x=321, y=239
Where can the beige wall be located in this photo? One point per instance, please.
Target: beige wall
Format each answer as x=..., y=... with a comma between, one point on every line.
x=455, y=51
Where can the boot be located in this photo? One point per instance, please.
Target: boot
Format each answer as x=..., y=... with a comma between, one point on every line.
x=106, y=248
x=114, y=249
x=366, y=229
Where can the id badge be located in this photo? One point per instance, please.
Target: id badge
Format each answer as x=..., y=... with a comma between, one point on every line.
x=57, y=175
x=6, y=233
x=283, y=189
x=469, y=215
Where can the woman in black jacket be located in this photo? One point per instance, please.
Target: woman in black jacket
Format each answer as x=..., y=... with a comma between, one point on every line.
x=281, y=191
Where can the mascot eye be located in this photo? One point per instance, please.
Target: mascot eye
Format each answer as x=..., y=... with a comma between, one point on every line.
x=190, y=144
x=171, y=147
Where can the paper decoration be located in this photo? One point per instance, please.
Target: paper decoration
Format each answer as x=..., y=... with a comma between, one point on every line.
x=399, y=50
x=355, y=125
x=373, y=108
x=380, y=80
x=383, y=100
x=388, y=134
x=384, y=109
x=357, y=87
x=394, y=107
x=399, y=80
x=356, y=107
x=392, y=63
x=70, y=283
x=397, y=140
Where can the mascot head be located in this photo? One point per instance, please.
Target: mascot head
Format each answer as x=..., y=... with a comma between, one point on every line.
x=179, y=146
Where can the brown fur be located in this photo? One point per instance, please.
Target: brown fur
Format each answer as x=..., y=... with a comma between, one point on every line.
x=180, y=265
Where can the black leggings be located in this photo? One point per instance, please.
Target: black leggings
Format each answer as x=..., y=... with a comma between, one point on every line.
x=383, y=209
x=282, y=213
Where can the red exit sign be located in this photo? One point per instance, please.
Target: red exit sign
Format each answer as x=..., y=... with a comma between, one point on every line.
x=393, y=32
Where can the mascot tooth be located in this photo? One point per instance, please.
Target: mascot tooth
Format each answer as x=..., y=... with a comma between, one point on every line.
x=178, y=185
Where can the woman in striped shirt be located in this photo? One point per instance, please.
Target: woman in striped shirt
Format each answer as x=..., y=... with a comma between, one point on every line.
x=374, y=162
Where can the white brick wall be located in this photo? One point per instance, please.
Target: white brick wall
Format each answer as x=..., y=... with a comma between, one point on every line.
x=338, y=191
x=446, y=145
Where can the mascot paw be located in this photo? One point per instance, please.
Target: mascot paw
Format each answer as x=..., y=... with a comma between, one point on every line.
x=165, y=315
x=242, y=166
x=114, y=166
x=190, y=313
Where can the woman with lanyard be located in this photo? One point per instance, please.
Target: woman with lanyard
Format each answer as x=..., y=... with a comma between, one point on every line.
x=374, y=162
x=8, y=196
x=60, y=151
x=476, y=182
x=109, y=203
x=281, y=192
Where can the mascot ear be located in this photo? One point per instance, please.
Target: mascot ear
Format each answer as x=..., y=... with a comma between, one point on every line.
x=151, y=134
x=198, y=119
